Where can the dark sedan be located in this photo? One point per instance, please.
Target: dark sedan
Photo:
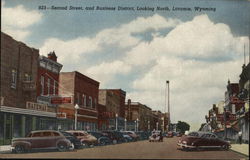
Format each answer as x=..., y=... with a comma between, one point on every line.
x=73, y=139
x=198, y=140
x=101, y=138
x=115, y=136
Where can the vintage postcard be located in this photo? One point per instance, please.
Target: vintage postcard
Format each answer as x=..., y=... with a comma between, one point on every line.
x=125, y=79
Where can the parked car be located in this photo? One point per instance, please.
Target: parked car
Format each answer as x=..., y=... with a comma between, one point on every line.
x=198, y=140
x=76, y=143
x=132, y=134
x=86, y=138
x=178, y=134
x=127, y=137
x=44, y=139
x=142, y=135
x=170, y=134
x=101, y=139
x=115, y=136
x=156, y=136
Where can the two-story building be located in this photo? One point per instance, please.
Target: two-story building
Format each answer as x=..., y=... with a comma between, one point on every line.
x=114, y=101
x=84, y=93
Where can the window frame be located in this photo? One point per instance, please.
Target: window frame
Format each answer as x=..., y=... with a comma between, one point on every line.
x=42, y=85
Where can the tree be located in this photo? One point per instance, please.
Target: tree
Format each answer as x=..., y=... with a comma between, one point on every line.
x=182, y=126
x=202, y=125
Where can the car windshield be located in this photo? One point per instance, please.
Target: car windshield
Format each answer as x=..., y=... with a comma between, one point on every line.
x=66, y=134
x=193, y=134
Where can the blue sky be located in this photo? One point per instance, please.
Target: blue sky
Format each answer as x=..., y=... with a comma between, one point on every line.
x=139, y=50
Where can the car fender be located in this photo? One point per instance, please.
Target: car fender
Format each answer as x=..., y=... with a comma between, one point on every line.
x=27, y=145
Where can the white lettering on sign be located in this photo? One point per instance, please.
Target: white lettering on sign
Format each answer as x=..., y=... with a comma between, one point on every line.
x=36, y=106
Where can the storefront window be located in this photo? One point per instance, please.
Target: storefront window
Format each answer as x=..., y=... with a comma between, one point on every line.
x=17, y=126
x=28, y=126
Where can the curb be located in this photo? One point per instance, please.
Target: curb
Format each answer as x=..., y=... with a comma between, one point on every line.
x=240, y=153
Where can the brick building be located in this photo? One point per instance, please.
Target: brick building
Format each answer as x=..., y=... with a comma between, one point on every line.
x=84, y=92
x=103, y=117
x=48, y=76
x=138, y=116
x=244, y=93
x=19, y=111
x=114, y=101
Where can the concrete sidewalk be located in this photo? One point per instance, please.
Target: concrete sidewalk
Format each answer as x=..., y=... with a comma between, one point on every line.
x=241, y=148
x=5, y=149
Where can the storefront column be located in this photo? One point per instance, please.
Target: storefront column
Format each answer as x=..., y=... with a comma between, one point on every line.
x=33, y=123
x=23, y=126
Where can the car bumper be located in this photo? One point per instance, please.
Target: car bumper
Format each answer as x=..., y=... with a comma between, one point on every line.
x=185, y=145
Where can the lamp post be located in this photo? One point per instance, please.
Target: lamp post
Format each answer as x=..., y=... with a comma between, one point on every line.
x=168, y=106
x=116, y=122
x=125, y=127
x=76, y=108
x=148, y=125
x=157, y=126
x=137, y=124
x=162, y=124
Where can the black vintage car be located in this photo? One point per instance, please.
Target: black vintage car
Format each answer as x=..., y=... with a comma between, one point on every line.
x=101, y=138
x=197, y=140
x=115, y=136
x=73, y=139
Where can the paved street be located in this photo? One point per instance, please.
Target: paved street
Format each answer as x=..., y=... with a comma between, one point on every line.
x=142, y=149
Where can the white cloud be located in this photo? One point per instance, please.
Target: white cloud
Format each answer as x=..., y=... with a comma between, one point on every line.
x=17, y=20
x=106, y=71
x=199, y=38
x=120, y=37
x=69, y=51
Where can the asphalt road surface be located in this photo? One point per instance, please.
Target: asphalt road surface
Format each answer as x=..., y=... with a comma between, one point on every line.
x=136, y=150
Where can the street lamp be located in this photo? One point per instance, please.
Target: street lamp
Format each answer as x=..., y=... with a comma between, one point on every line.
x=76, y=108
x=116, y=123
x=168, y=106
x=125, y=127
x=137, y=124
x=148, y=125
x=162, y=124
x=157, y=126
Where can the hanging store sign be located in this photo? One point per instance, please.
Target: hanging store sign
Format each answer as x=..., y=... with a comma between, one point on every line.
x=36, y=106
x=61, y=115
x=43, y=99
x=60, y=100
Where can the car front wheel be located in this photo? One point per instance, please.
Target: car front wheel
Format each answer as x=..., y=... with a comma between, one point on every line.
x=61, y=147
x=19, y=149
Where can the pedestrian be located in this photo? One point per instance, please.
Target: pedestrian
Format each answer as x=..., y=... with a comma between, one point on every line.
x=240, y=137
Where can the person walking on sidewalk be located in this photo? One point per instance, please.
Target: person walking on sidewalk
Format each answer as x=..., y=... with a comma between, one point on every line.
x=240, y=137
